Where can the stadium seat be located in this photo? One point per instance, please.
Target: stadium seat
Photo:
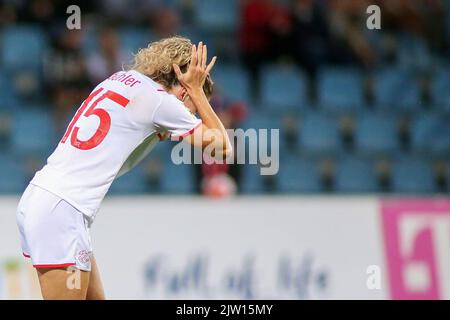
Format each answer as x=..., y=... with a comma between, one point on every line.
x=298, y=176
x=251, y=180
x=283, y=89
x=396, y=90
x=258, y=121
x=162, y=150
x=233, y=82
x=262, y=120
x=177, y=178
x=430, y=134
x=413, y=175
x=376, y=133
x=90, y=42
x=355, y=175
x=131, y=182
x=22, y=48
x=196, y=35
x=413, y=52
x=33, y=132
x=12, y=175
x=319, y=134
x=440, y=93
x=340, y=89
x=9, y=99
x=132, y=39
x=216, y=15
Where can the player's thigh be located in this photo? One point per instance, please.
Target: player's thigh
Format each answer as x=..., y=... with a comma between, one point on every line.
x=63, y=283
x=95, y=289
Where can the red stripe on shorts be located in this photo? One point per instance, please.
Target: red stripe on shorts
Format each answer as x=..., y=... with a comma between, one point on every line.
x=53, y=265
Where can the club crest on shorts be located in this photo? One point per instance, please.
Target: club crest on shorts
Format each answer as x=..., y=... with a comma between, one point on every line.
x=83, y=257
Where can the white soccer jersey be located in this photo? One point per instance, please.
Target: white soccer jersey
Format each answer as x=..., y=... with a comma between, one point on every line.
x=114, y=128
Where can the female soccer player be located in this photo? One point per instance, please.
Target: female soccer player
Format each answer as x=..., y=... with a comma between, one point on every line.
x=114, y=128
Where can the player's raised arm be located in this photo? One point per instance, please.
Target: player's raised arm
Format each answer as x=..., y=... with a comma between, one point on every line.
x=212, y=133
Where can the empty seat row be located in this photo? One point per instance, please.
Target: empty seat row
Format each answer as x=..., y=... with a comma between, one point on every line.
x=283, y=88
x=372, y=133
x=32, y=131
x=296, y=175
x=353, y=175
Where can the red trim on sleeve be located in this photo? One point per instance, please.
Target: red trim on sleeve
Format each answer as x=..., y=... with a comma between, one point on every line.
x=46, y=266
x=187, y=133
x=26, y=255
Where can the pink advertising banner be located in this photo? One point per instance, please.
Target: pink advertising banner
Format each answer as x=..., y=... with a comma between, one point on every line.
x=417, y=247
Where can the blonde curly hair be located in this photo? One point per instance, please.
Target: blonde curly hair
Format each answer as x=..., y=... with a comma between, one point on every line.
x=156, y=60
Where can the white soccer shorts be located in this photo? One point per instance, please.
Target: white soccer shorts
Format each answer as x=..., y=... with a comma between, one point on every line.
x=52, y=232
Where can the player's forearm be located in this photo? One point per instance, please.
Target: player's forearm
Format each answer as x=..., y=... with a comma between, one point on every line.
x=212, y=121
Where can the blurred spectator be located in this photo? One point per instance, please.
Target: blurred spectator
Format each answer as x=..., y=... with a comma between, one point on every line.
x=255, y=37
x=424, y=19
x=40, y=12
x=280, y=32
x=8, y=14
x=108, y=59
x=348, y=42
x=66, y=75
x=231, y=114
x=165, y=22
x=310, y=38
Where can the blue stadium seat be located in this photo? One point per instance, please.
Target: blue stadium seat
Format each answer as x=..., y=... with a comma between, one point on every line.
x=9, y=99
x=259, y=120
x=283, y=89
x=413, y=175
x=134, y=181
x=298, y=176
x=216, y=15
x=251, y=181
x=90, y=42
x=397, y=90
x=440, y=93
x=177, y=178
x=196, y=35
x=13, y=179
x=340, y=89
x=22, y=48
x=376, y=133
x=319, y=134
x=413, y=52
x=33, y=132
x=430, y=134
x=133, y=39
x=162, y=150
x=356, y=175
x=233, y=81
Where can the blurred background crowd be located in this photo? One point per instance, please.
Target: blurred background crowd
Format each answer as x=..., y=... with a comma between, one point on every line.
x=359, y=110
